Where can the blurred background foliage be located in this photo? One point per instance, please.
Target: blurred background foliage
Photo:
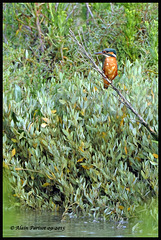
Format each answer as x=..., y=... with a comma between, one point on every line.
x=68, y=143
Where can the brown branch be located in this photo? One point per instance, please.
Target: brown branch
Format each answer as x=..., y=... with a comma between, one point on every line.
x=38, y=27
x=127, y=103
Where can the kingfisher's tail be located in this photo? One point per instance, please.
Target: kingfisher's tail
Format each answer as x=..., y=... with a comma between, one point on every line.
x=106, y=83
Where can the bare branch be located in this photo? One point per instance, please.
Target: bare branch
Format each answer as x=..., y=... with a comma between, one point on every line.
x=66, y=6
x=39, y=30
x=56, y=6
x=71, y=11
x=89, y=11
x=123, y=99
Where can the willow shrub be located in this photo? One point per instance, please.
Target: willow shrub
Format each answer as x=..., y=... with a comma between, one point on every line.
x=73, y=144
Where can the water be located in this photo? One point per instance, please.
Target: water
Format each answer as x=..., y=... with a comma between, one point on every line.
x=47, y=224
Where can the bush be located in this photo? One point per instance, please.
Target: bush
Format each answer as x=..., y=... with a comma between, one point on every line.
x=73, y=144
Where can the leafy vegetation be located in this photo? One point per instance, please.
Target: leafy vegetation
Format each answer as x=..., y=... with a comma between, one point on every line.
x=67, y=142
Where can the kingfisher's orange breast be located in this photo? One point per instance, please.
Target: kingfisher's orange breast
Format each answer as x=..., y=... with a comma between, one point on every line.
x=110, y=67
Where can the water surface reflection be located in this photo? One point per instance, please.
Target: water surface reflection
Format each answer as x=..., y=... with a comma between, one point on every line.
x=49, y=224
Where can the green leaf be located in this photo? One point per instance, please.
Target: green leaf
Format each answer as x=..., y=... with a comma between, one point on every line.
x=17, y=93
x=154, y=163
x=66, y=133
x=143, y=175
x=14, y=140
x=21, y=135
x=62, y=101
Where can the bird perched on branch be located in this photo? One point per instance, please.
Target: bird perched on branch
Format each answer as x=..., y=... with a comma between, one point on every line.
x=109, y=64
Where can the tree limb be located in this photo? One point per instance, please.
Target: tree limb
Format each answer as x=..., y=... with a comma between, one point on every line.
x=127, y=103
x=37, y=9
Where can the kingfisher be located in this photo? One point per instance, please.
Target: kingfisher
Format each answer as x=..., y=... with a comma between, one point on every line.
x=109, y=64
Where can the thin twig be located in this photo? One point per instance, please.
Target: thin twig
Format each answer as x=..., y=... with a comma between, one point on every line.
x=126, y=102
x=83, y=37
x=39, y=29
x=118, y=98
x=23, y=169
x=71, y=11
x=66, y=7
x=56, y=6
x=89, y=10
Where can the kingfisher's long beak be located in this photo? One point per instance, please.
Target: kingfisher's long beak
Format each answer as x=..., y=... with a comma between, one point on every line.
x=99, y=53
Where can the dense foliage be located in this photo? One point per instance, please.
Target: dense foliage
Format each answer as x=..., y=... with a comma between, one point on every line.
x=67, y=142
